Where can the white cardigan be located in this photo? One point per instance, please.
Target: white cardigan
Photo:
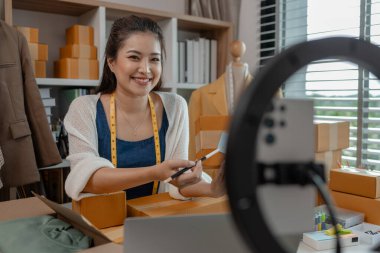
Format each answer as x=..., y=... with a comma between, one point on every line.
x=80, y=123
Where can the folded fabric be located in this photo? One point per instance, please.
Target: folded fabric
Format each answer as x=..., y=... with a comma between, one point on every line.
x=41, y=234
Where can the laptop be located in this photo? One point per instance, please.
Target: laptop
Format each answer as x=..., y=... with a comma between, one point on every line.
x=212, y=233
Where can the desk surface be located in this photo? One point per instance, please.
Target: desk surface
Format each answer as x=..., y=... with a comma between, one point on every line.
x=163, y=205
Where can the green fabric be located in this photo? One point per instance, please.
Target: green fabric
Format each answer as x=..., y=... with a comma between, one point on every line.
x=41, y=234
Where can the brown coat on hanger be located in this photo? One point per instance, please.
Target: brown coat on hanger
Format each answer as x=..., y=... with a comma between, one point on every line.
x=25, y=138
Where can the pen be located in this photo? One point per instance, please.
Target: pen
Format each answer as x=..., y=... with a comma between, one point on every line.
x=180, y=172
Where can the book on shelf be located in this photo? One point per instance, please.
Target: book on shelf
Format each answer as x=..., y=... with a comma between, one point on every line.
x=48, y=111
x=207, y=61
x=189, y=61
x=213, y=59
x=196, y=62
x=202, y=60
x=181, y=61
x=44, y=92
x=48, y=102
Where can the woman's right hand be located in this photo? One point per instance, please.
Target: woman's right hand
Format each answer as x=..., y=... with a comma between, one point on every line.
x=169, y=167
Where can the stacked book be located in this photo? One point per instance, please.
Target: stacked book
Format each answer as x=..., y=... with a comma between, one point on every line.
x=197, y=61
x=38, y=51
x=48, y=103
x=78, y=58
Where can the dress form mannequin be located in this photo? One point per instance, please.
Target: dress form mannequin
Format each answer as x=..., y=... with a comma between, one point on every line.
x=237, y=74
x=217, y=100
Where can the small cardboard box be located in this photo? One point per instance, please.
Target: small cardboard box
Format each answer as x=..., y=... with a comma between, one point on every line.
x=208, y=130
x=39, y=68
x=163, y=205
x=30, y=33
x=360, y=182
x=38, y=51
x=103, y=211
x=330, y=135
x=78, y=51
x=76, y=68
x=80, y=34
x=331, y=160
x=370, y=207
x=30, y=207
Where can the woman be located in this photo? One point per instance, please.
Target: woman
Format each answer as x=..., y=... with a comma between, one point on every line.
x=130, y=125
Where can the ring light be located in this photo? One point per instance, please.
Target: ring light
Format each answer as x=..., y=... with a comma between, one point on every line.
x=241, y=164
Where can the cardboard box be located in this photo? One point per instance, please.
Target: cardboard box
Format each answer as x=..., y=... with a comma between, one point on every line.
x=38, y=52
x=370, y=207
x=78, y=51
x=30, y=207
x=163, y=205
x=30, y=33
x=208, y=130
x=80, y=34
x=103, y=211
x=360, y=182
x=39, y=68
x=331, y=160
x=331, y=135
x=76, y=68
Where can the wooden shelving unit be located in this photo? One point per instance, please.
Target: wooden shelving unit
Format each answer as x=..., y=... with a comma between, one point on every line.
x=52, y=16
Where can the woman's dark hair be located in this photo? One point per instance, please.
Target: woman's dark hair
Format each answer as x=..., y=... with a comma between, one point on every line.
x=121, y=30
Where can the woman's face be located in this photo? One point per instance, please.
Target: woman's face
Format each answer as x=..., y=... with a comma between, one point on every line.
x=137, y=66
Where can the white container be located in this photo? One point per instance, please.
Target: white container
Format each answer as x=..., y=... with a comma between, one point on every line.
x=367, y=238
x=320, y=241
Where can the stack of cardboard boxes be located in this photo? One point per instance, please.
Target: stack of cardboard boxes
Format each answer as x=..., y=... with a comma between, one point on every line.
x=330, y=139
x=357, y=190
x=38, y=51
x=78, y=59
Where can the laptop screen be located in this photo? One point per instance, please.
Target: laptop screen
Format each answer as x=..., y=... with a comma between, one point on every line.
x=214, y=233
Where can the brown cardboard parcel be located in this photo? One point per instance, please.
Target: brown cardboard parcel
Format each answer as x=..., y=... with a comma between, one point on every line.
x=370, y=207
x=331, y=135
x=360, y=182
x=30, y=207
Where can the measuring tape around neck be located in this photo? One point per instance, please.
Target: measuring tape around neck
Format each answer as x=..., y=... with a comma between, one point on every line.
x=155, y=134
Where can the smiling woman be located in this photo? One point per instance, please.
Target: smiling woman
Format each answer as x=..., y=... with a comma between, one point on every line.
x=130, y=136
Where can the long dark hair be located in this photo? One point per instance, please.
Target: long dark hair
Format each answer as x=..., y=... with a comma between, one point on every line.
x=121, y=30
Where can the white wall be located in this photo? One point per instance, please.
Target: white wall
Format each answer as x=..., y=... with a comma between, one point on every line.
x=177, y=6
x=249, y=32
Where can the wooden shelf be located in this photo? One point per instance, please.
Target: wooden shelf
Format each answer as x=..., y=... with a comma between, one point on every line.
x=71, y=8
x=67, y=82
x=99, y=14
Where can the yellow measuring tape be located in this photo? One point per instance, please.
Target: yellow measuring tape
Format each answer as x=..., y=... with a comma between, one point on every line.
x=155, y=134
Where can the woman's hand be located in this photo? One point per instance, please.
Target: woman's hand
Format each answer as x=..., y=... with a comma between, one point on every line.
x=169, y=167
x=218, y=187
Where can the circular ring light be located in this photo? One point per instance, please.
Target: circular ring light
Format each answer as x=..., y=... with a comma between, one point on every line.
x=241, y=164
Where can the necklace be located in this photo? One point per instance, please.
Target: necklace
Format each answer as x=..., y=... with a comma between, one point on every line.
x=135, y=128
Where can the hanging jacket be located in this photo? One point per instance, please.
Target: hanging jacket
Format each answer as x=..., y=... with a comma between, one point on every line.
x=25, y=137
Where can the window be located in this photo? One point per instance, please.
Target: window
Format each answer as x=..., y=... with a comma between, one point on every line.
x=340, y=90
